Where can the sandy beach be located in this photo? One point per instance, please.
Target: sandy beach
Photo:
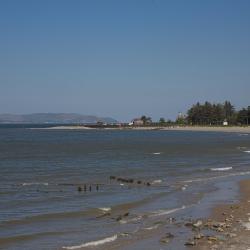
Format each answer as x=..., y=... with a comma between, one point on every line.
x=235, y=129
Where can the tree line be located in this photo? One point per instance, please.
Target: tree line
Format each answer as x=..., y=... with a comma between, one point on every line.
x=217, y=113
x=207, y=114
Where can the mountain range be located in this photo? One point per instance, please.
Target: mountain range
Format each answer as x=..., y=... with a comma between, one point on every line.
x=57, y=118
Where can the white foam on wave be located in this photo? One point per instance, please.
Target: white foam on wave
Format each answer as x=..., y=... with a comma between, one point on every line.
x=138, y=218
x=35, y=183
x=105, y=209
x=156, y=181
x=216, y=177
x=151, y=228
x=165, y=212
x=157, y=153
x=221, y=169
x=247, y=151
x=93, y=243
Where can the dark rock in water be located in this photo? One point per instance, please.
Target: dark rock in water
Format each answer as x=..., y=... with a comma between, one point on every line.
x=97, y=187
x=130, y=180
x=190, y=243
x=189, y=224
x=148, y=184
x=79, y=189
x=112, y=177
x=120, y=217
x=166, y=238
x=90, y=188
x=138, y=182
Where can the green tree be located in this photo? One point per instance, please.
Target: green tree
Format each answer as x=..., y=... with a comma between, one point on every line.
x=146, y=120
x=162, y=121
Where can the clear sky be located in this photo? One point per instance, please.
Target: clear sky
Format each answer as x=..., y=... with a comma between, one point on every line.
x=123, y=58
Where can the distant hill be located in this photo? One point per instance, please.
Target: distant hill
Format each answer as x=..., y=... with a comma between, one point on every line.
x=59, y=118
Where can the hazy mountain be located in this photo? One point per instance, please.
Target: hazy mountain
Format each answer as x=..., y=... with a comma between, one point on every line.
x=64, y=118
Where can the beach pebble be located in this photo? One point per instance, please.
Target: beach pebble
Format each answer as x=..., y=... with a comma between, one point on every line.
x=198, y=236
x=198, y=223
x=231, y=235
x=219, y=229
x=212, y=238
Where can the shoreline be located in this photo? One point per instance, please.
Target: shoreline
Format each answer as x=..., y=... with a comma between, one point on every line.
x=233, y=129
x=228, y=226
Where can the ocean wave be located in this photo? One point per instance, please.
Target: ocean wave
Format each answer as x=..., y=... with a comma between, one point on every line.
x=216, y=177
x=247, y=151
x=165, y=212
x=135, y=219
x=93, y=243
x=156, y=182
x=152, y=227
x=35, y=184
x=105, y=209
x=221, y=169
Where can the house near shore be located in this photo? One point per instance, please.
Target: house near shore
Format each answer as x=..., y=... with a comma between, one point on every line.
x=225, y=123
x=136, y=122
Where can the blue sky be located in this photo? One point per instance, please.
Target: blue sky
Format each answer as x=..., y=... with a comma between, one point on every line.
x=123, y=58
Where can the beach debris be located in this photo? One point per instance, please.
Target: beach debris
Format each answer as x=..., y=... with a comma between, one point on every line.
x=166, y=238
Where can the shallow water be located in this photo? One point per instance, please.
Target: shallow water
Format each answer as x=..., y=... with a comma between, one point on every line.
x=41, y=171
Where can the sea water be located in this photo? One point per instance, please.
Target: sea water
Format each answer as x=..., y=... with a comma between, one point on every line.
x=41, y=206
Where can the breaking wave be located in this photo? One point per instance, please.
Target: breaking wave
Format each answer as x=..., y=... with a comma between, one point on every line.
x=93, y=243
x=221, y=169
